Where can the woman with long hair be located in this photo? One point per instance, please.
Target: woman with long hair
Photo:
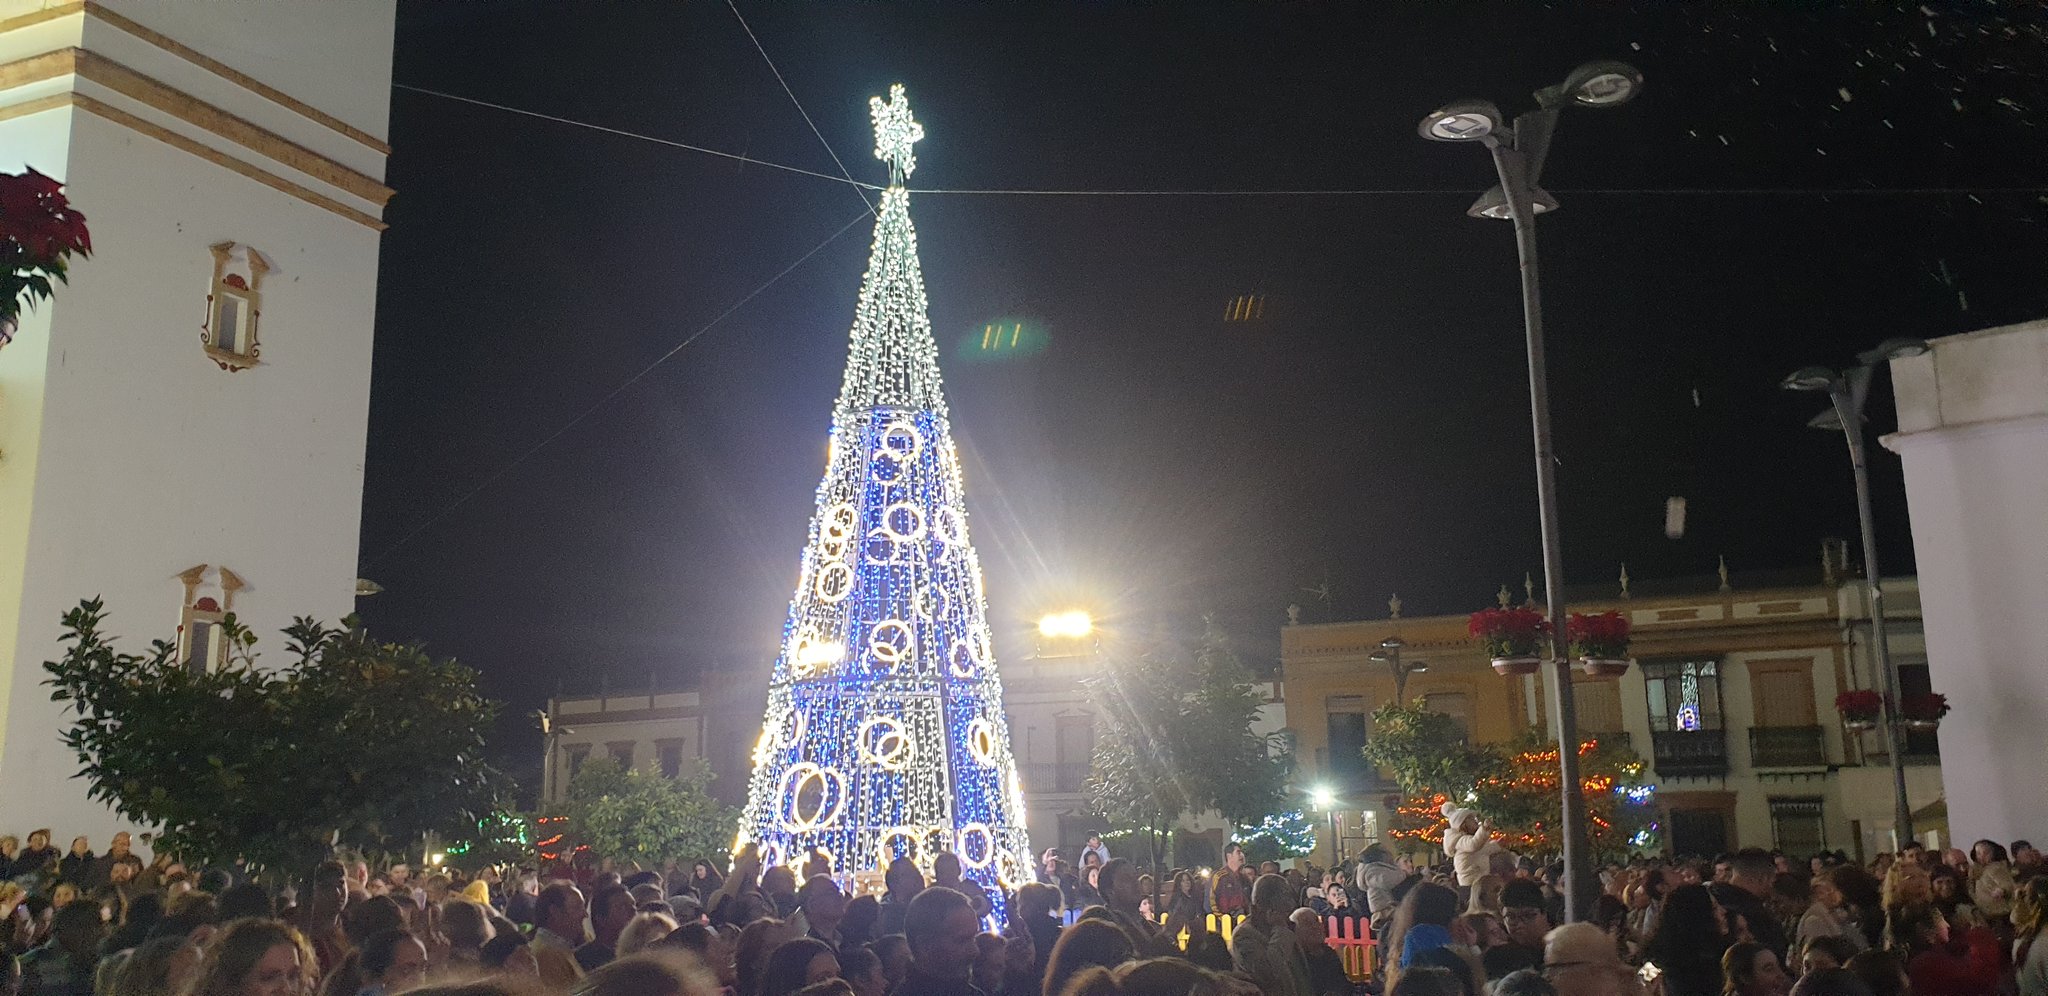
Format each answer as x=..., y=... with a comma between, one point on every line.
x=1750, y=969
x=389, y=961
x=756, y=942
x=2030, y=932
x=704, y=881
x=1186, y=909
x=1486, y=895
x=1936, y=962
x=1825, y=916
x=1691, y=936
x=796, y=964
x=256, y=958
x=1097, y=943
x=1991, y=880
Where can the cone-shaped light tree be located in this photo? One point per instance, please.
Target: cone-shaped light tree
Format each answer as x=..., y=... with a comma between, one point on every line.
x=885, y=735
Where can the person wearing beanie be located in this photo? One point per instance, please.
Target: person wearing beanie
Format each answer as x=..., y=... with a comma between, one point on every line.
x=1469, y=843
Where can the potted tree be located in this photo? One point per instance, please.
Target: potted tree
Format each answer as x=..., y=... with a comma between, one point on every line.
x=39, y=232
x=1923, y=710
x=1514, y=638
x=1860, y=709
x=1600, y=643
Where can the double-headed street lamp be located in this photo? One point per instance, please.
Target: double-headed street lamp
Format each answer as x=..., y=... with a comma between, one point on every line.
x=1518, y=156
x=1847, y=391
x=1389, y=654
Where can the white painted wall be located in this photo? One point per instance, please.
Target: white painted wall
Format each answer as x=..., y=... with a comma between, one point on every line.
x=1973, y=435
x=129, y=456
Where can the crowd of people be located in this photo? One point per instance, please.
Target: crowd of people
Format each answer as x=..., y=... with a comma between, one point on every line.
x=1479, y=922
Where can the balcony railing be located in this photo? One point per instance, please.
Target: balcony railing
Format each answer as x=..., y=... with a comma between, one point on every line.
x=1615, y=738
x=1690, y=753
x=1062, y=778
x=1787, y=747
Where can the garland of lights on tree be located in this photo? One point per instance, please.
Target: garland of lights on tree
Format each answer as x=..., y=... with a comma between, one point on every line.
x=885, y=735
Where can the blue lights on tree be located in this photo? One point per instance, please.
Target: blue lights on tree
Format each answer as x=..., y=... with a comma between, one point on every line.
x=885, y=735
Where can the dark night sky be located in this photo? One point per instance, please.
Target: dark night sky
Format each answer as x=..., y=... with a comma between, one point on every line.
x=1154, y=461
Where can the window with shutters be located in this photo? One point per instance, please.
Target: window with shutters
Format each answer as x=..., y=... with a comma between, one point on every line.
x=1073, y=751
x=1784, y=732
x=1598, y=704
x=1346, y=759
x=1798, y=825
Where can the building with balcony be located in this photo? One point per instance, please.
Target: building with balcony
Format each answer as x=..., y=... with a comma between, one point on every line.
x=1731, y=703
x=658, y=728
x=1052, y=732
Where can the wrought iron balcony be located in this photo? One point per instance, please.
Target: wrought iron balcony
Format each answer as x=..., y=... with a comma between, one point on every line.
x=1690, y=753
x=1064, y=779
x=1787, y=747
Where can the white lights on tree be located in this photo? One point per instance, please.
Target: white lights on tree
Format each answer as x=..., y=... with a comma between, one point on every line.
x=886, y=734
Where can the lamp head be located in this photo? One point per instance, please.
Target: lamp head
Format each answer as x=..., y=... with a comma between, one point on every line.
x=1900, y=347
x=1494, y=204
x=1460, y=121
x=1811, y=379
x=1417, y=667
x=1603, y=83
x=1322, y=796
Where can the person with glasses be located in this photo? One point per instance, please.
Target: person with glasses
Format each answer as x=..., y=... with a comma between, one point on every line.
x=1524, y=916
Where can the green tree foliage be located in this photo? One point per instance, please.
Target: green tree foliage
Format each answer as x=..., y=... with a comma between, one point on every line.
x=638, y=815
x=353, y=744
x=1176, y=738
x=1513, y=784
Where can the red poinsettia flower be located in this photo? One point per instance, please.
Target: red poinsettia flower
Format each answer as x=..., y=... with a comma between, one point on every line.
x=1516, y=632
x=1860, y=704
x=1925, y=707
x=1603, y=637
x=35, y=214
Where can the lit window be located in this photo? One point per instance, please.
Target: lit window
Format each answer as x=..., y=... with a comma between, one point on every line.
x=1683, y=695
x=233, y=306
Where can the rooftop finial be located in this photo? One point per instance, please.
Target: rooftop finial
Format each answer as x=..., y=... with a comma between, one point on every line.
x=895, y=132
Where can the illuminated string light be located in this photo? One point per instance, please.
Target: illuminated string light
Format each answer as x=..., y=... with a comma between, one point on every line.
x=886, y=735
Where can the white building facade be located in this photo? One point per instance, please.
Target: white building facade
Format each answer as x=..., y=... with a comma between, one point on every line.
x=182, y=428
x=1973, y=435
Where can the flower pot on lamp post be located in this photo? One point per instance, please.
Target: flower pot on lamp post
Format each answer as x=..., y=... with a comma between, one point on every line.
x=1860, y=709
x=1513, y=637
x=1600, y=643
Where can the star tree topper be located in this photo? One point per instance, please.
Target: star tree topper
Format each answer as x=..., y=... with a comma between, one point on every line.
x=895, y=132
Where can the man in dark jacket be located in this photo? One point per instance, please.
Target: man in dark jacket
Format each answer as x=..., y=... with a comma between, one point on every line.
x=1747, y=894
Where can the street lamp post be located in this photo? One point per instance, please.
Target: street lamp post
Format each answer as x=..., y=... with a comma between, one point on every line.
x=1389, y=654
x=1327, y=802
x=1847, y=393
x=1518, y=156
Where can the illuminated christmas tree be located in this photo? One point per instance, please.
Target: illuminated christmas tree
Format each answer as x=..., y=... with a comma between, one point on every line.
x=885, y=735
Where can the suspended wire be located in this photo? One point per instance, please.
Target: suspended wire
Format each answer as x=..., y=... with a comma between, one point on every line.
x=672, y=143
x=1266, y=192
x=800, y=107
x=613, y=393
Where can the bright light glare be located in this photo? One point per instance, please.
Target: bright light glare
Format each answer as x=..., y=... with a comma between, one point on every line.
x=1323, y=797
x=1066, y=625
